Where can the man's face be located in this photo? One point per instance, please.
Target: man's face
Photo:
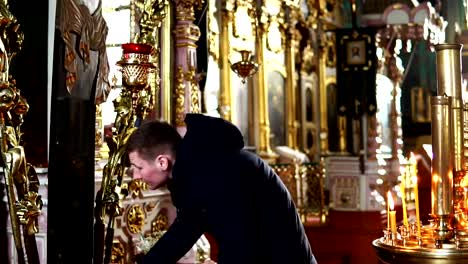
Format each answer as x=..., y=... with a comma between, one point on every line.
x=155, y=172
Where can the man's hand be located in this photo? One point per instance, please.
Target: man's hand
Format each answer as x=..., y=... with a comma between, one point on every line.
x=209, y=261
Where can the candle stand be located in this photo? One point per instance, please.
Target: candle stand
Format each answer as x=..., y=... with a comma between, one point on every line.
x=445, y=238
x=407, y=247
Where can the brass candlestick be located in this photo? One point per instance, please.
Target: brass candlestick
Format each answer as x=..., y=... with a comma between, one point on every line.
x=442, y=167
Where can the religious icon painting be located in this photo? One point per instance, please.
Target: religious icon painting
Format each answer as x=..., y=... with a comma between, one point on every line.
x=420, y=105
x=356, y=51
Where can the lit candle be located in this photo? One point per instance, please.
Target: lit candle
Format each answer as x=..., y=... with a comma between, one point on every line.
x=388, y=210
x=392, y=213
x=403, y=197
x=416, y=204
x=414, y=165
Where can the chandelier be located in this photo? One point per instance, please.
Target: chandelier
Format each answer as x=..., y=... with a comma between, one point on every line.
x=246, y=67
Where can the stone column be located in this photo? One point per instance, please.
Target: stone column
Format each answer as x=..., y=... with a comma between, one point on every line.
x=187, y=92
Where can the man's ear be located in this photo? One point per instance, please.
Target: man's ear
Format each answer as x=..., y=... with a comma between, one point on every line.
x=163, y=162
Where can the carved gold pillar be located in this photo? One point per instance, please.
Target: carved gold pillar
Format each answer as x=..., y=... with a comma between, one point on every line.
x=166, y=66
x=264, y=148
x=224, y=53
x=153, y=13
x=187, y=93
x=291, y=118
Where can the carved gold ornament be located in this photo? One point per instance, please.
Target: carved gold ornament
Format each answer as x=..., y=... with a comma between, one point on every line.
x=160, y=223
x=153, y=13
x=180, y=97
x=194, y=91
x=28, y=211
x=135, y=187
x=21, y=182
x=118, y=253
x=135, y=218
x=185, y=9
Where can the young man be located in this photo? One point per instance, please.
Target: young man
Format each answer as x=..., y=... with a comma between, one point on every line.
x=221, y=189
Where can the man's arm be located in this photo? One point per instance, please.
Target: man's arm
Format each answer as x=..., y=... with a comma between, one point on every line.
x=179, y=238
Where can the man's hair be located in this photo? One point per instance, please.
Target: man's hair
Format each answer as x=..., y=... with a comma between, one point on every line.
x=154, y=138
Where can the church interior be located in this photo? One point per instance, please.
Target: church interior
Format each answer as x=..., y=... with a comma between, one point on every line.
x=359, y=106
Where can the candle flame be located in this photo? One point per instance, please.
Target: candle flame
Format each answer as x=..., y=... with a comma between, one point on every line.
x=436, y=178
x=413, y=163
x=402, y=170
x=390, y=202
x=464, y=182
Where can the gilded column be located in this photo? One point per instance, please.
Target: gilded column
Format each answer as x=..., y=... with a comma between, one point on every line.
x=322, y=62
x=166, y=67
x=224, y=54
x=187, y=92
x=291, y=44
x=264, y=148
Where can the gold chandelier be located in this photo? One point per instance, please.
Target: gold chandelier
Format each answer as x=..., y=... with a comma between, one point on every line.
x=246, y=67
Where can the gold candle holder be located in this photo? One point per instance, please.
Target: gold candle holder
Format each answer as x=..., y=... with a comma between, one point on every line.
x=136, y=68
x=449, y=82
x=442, y=167
x=449, y=70
x=465, y=134
x=444, y=240
x=132, y=103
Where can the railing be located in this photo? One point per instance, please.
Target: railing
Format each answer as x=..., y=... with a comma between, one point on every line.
x=305, y=182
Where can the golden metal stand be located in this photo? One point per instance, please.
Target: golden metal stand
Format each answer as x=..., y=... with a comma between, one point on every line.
x=133, y=103
x=445, y=240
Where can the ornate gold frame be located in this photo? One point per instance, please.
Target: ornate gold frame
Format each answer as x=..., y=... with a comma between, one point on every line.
x=357, y=51
x=310, y=126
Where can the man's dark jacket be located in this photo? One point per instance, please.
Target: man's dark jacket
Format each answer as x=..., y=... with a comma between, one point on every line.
x=230, y=193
